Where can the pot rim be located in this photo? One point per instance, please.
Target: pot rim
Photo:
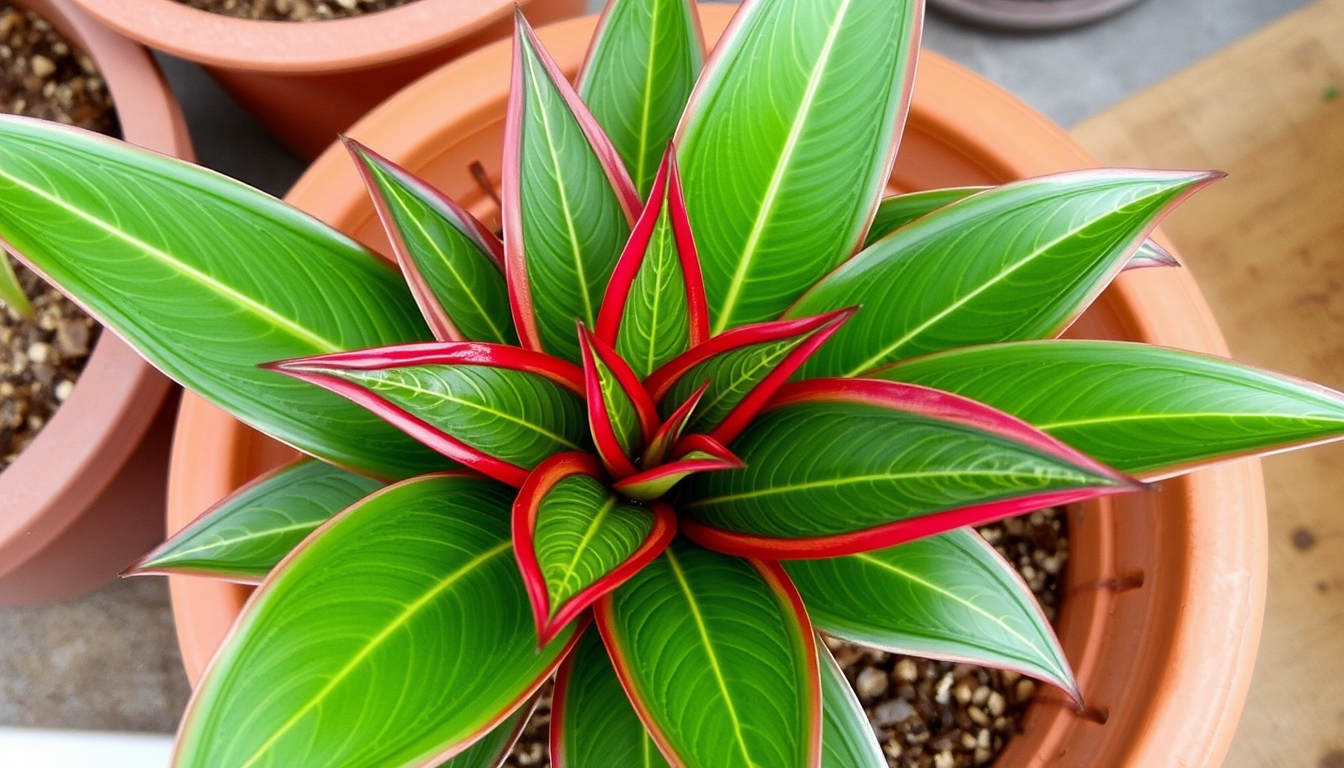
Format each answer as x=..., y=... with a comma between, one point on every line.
x=93, y=434
x=335, y=45
x=1194, y=675
x=1032, y=15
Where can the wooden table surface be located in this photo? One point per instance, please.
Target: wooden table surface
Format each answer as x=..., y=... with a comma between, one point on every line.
x=1267, y=246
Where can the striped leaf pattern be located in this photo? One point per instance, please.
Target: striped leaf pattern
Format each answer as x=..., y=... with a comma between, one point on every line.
x=644, y=60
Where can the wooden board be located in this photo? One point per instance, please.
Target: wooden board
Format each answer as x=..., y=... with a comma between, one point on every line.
x=1267, y=246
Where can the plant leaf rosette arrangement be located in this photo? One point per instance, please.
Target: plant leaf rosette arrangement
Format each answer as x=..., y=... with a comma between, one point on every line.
x=710, y=395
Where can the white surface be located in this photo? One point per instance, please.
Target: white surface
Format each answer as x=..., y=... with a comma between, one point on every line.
x=33, y=748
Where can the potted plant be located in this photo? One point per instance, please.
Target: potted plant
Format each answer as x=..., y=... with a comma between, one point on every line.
x=308, y=81
x=426, y=601
x=79, y=502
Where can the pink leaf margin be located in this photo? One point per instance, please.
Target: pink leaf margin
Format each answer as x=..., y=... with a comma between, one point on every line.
x=552, y=619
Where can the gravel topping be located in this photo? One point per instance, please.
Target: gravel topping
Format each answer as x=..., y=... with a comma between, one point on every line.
x=293, y=10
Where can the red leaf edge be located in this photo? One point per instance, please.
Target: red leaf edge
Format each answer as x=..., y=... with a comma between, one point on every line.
x=435, y=315
x=722, y=458
x=666, y=191
x=593, y=350
x=663, y=440
x=520, y=294
x=525, y=510
x=660, y=381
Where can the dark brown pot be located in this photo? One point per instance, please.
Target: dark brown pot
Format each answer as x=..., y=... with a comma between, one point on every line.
x=84, y=499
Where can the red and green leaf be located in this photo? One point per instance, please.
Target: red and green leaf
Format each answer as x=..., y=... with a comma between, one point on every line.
x=593, y=724
x=1016, y=262
x=698, y=453
x=495, y=747
x=576, y=540
x=453, y=264
x=949, y=597
x=499, y=410
x=414, y=591
x=898, y=210
x=744, y=367
x=568, y=204
x=207, y=279
x=812, y=145
x=641, y=67
x=841, y=466
x=670, y=431
x=719, y=659
x=620, y=413
x=654, y=307
x=1146, y=410
x=847, y=739
x=243, y=537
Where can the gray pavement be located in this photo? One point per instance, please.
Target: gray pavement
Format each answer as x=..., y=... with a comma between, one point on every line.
x=107, y=661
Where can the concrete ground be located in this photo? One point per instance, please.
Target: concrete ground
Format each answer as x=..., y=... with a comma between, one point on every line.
x=107, y=661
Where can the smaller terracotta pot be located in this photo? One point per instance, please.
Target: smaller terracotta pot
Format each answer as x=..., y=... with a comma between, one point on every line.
x=1032, y=15
x=85, y=498
x=307, y=82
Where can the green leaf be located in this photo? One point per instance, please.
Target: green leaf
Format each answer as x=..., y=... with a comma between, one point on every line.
x=244, y=536
x=812, y=145
x=1145, y=410
x=593, y=724
x=948, y=597
x=576, y=539
x=644, y=60
x=491, y=751
x=654, y=308
x=898, y=210
x=208, y=278
x=1017, y=262
x=500, y=410
x=568, y=204
x=621, y=416
x=11, y=293
x=839, y=466
x=454, y=265
x=718, y=656
x=846, y=735
x=367, y=647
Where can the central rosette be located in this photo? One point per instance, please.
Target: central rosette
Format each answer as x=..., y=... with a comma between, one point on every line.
x=597, y=449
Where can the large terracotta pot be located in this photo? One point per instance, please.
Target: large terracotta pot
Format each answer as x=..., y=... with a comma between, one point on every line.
x=82, y=501
x=1165, y=588
x=307, y=82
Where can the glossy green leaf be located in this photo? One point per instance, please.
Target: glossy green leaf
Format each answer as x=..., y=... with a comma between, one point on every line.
x=644, y=60
x=252, y=281
x=11, y=293
x=811, y=143
x=577, y=539
x=593, y=724
x=244, y=536
x=1017, y=262
x=452, y=263
x=491, y=751
x=844, y=466
x=620, y=414
x=654, y=308
x=366, y=647
x=1145, y=410
x=948, y=597
x=898, y=210
x=847, y=739
x=719, y=660
x=500, y=419
x=568, y=205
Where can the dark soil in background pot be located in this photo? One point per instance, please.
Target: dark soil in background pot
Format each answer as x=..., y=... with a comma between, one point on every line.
x=42, y=75
x=927, y=714
x=293, y=10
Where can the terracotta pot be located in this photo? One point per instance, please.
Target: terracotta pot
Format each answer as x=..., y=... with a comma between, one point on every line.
x=307, y=82
x=82, y=500
x=1032, y=15
x=1165, y=589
